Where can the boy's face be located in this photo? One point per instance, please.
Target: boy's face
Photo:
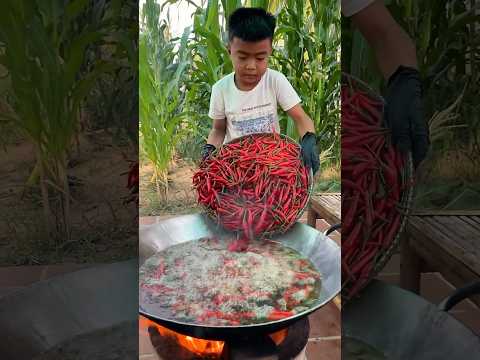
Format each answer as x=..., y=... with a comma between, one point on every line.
x=250, y=59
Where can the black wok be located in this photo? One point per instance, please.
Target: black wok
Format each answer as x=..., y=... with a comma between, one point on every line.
x=405, y=326
x=323, y=252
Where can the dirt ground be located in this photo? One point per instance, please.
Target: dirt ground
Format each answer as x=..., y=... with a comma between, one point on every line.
x=181, y=198
x=103, y=228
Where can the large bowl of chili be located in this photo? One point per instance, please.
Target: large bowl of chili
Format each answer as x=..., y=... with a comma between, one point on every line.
x=377, y=187
x=255, y=184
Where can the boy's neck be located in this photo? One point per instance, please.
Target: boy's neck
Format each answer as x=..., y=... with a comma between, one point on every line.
x=244, y=87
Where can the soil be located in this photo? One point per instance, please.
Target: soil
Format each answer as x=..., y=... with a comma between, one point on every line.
x=104, y=229
x=181, y=198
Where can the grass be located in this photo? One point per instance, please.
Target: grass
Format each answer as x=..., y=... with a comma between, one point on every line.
x=181, y=200
x=448, y=181
x=152, y=206
x=329, y=180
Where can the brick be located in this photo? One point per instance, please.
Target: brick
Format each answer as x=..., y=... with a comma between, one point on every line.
x=326, y=321
x=324, y=350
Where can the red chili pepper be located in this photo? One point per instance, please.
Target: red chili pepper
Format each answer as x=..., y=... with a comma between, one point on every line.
x=371, y=187
x=279, y=315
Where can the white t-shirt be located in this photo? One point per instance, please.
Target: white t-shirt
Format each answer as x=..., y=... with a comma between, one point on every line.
x=351, y=7
x=253, y=111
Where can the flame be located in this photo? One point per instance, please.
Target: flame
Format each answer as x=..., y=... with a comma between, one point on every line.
x=200, y=346
x=194, y=345
x=279, y=336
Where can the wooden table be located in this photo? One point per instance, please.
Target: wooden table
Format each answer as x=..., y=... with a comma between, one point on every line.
x=325, y=206
x=447, y=242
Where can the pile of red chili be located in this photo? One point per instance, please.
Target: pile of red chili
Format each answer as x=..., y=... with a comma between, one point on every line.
x=254, y=185
x=373, y=189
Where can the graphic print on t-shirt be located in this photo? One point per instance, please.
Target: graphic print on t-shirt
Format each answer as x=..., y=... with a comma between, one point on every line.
x=254, y=120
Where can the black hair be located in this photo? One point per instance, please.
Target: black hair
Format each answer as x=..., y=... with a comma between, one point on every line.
x=251, y=24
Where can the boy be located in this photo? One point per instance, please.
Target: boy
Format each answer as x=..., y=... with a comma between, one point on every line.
x=245, y=101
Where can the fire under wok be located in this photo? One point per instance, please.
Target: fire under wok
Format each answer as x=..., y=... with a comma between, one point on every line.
x=402, y=325
x=320, y=250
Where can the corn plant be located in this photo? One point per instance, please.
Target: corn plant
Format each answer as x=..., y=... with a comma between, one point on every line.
x=161, y=70
x=209, y=63
x=113, y=101
x=307, y=52
x=44, y=46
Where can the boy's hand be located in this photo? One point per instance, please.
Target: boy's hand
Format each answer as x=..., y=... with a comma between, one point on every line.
x=310, y=151
x=404, y=113
x=207, y=150
x=308, y=143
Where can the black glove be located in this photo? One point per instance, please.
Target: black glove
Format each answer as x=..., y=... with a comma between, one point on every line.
x=310, y=151
x=207, y=150
x=404, y=113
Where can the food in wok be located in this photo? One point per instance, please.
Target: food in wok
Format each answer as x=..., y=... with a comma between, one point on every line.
x=202, y=282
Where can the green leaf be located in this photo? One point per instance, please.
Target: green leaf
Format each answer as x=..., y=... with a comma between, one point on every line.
x=212, y=20
x=74, y=8
x=84, y=86
x=76, y=53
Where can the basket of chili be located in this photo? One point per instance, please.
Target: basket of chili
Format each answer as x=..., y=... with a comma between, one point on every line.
x=256, y=185
x=377, y=187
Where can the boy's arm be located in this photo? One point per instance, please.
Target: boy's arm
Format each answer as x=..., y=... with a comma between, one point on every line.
x=302, y=120
x=219, y=126
x=308, y=142
x=215, y=137
x=391, y=44
x=397, y=60
x=217, y=134
x=289, y=101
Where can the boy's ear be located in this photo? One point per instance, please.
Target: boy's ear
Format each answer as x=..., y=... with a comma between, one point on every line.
x=228, y=49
